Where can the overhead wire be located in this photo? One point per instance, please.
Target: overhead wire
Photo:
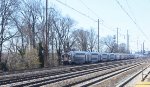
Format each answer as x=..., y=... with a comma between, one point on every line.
x=134, y=21
x=91, y=10
x=77, y=11
x=130, y=10
x=106, y=26
x=87, y=15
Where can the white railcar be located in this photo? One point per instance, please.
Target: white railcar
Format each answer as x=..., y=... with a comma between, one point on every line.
x=118, y=56
x=79, y=57
x=95, y=57
x=112, y=56
x=104, y=57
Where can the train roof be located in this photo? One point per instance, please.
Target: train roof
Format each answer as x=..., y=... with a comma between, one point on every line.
x=78, y=52
x=94, y=52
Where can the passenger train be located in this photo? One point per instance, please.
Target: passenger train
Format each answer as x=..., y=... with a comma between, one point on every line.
x=82, y=57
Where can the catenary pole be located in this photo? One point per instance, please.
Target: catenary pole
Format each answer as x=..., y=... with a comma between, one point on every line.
x=143, y=48
x=117, y=39
x=46, y=45
x=128, y=42
x=98, y=35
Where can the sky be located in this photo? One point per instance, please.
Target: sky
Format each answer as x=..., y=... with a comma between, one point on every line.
x=111, y=17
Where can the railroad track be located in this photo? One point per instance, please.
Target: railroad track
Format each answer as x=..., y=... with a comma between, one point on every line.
x=46, y=70
x=126, y=81
x=52, y=79
x=97, y=80
x=25, y=76
x=66, y=76
x=48, y=78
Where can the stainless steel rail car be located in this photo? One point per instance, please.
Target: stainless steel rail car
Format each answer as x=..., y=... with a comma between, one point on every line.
x=95, y=57
x=81, y=57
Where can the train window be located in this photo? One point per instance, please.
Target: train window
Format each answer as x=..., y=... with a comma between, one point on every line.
x=80, y=53
x=94, y=54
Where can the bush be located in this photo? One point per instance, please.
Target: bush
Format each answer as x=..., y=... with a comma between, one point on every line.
x=31, y=58
x=3, y=66
x=17, y=61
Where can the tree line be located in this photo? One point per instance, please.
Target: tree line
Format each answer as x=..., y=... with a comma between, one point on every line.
x=22, y=36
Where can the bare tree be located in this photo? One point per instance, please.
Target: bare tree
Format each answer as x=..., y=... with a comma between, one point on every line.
x=62, y=29
x=122, y=48
x=31, y=11
x=7, y=9
x=71, y=40
x=109, y=41
x=33, y=27
x=81, y=37
x=92, y=39
x=21, y=35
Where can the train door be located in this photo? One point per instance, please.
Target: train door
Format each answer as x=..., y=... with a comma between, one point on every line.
x=99, y=57
x=88, y=57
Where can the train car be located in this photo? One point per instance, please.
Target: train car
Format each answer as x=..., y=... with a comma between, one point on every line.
x=112, y=57
x=127, y=56
x=136, y=56
x=104, y=57
x=118, y=56
x=123, y=56
x=95, y=57
x=88, y=57
x=131, y=56
x=65, y=58
x=79, y=57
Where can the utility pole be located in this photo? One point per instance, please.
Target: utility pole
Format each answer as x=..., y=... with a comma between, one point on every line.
x=117, y=39
x=52, y=47
x=143, y=48
x=46, y=45
x=137, y=45
x=98, y=35
x=127, y=42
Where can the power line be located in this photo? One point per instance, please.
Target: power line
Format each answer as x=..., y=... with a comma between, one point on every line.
x=90, y=10
x=130, y=10
x=131, y=19
x=76, y=11
x=107, y=27
x=87, y=15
